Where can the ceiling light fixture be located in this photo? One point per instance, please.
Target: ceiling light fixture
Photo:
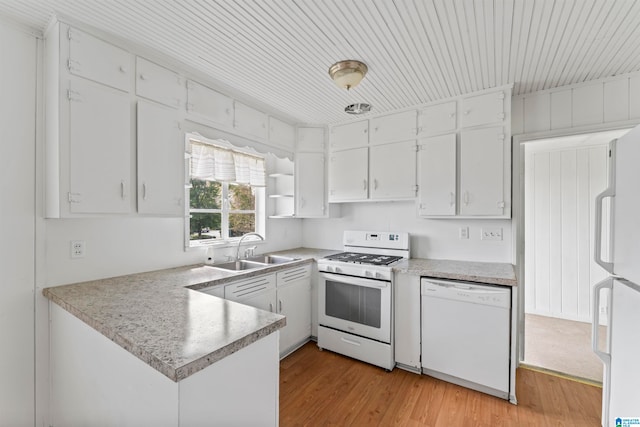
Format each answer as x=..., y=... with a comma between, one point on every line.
x=347, y=74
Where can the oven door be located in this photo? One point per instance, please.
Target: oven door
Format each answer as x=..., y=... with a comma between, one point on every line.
x=355, y=305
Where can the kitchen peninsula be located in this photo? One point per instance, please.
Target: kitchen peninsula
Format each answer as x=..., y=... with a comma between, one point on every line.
x=197, y=357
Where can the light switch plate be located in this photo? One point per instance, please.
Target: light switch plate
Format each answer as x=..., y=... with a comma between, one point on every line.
x=491, y=233
x=464, y=233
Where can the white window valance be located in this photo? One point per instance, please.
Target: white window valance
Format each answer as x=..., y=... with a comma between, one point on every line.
x=224, y=164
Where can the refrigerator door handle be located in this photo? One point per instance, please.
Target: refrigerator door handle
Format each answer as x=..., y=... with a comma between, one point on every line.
x=610, y=191
x=595, y=330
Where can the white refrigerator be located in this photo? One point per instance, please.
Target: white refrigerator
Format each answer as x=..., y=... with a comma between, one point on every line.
x=621, y=354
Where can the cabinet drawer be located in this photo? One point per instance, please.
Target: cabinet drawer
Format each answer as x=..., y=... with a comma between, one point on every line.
x=293, y=274
x=96, y=60
x=207, y=105
x=244, y=288
x=158, y=83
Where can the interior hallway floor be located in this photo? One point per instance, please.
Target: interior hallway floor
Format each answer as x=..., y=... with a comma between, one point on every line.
x=563, y=346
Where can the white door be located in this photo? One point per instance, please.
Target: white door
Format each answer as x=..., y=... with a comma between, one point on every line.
x=482, y=172
x=482, y=109
x=158, y=83
x=100, y=146
x=294, y=302
x=160, y=161
x=350, y=135
x=393, y=128
x=437, y=176
x=281, y=134
x=310, y=179
x=250, y=121
x=348, y=179
x=310, y=140
x=392, y=171
x=264, y=300
x=437, y=119
x=207, y=105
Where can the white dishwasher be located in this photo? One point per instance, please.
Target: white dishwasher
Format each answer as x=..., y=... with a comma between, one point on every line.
x=466, y=334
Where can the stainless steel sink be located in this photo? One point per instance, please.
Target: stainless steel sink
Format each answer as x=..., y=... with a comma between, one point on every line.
x=271, y=259
x=239, y=265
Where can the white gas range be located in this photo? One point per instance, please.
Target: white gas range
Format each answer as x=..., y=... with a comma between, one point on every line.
x=355, y=293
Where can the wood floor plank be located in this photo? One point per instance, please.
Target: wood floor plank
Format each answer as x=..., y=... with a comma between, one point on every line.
x=321, y=388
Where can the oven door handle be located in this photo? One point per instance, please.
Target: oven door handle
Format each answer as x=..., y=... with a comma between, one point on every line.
x=368, y=283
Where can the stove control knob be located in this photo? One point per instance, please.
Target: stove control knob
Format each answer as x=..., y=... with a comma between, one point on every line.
x=338, y=270
x=329, y=268
x=367, y=273
x=378, y=275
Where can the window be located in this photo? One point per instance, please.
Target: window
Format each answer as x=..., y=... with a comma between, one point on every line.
x=226, y=193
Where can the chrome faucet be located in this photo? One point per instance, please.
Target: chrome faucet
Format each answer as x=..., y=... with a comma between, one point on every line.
x=240, y=241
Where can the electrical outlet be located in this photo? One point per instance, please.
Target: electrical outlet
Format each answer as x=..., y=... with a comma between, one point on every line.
x=603, y=310
x=77, y=249
x=491, y=233
x=464, y=233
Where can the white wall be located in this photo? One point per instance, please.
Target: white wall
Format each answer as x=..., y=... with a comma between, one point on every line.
x=430, y=238
x=18, y=51
x=118, y=246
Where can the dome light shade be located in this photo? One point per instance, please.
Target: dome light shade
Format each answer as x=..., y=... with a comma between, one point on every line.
x=347, y=74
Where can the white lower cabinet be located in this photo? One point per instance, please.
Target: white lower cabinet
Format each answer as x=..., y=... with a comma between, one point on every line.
x=294, y=302
x=407, y=321
x=287, y=292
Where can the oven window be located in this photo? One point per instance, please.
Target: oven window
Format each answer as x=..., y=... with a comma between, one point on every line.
x=354, y=303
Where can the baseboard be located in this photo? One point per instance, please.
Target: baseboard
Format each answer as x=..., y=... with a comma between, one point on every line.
x=563, y=375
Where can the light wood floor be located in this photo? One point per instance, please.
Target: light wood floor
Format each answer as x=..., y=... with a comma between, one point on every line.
x=326, y=389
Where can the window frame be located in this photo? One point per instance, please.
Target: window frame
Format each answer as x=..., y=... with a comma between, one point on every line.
x=259, y=210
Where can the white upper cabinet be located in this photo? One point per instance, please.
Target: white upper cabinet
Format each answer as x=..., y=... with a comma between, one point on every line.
x=99, y=149
x=348, y=175
x=437, y=176
x=97, y=60
x=393, y=128
x=281, y=134
x=311, y=194
x=350, y=135
x=208, y=106
x=482, y=172
x=250, y=121
x=158, y=83
x=437, y=119
x=310, y=140
x=160, y=161
x=392, y=171
x=482, y=109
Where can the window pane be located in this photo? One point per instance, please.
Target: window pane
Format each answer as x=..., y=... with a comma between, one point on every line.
x=242, y=197
x=205, y=194
x=241, y=223
x=205, y=226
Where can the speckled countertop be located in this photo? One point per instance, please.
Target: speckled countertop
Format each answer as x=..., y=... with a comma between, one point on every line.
x=160, y=318
x=482, y=272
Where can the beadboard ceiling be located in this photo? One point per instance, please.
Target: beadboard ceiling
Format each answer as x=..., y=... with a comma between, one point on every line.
x=418, y=51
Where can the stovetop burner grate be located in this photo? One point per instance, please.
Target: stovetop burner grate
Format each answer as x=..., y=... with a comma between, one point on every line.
x=359, y=258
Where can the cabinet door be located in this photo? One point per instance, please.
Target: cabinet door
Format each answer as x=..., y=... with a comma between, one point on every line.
x=294, y=301
x=392, y=171
x=437, y=119
x=265, y=300
x=281, y=134
x=348, y=175
x=158, y=84
x=100, y=148
x=250, y=121
x=96, y=60
x=437, y=176
x=310, y=140
x=482, y=109
x=207, y=105
x=482, y=171
x=393, y=128
x=310, y=178
x=350, y=135
x=160, y=161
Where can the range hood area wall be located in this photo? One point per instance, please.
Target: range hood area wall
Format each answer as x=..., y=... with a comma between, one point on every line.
x=430, y=238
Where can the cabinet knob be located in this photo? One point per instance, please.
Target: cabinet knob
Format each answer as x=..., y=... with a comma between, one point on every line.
x=452, y=115
x=143, y=77
x=466, y=112
x=123, y=69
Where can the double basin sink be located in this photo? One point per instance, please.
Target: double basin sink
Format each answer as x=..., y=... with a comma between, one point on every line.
x=258, y=261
